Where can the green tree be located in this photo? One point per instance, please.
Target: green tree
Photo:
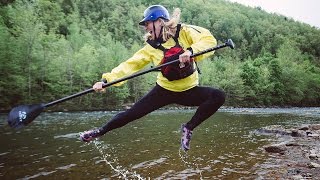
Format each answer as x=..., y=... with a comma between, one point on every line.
x=50, y=49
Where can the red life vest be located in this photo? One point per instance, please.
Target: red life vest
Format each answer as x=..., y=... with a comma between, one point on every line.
x=174, y=71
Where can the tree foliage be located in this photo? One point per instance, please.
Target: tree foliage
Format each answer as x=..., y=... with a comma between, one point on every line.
x=51, y=49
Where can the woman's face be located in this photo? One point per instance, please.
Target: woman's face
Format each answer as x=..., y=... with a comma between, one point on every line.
x=148, y=27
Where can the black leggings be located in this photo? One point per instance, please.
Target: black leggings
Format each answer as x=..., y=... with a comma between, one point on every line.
x=208, y=99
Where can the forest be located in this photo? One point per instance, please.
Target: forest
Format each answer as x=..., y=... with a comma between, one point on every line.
x=50, y=49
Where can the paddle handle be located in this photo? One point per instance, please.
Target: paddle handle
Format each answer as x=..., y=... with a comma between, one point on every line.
x=229, y=43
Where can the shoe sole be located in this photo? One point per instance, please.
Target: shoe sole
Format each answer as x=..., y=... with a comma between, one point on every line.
x=182, y=144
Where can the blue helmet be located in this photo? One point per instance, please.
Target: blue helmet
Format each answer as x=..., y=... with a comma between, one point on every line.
x=153, y=13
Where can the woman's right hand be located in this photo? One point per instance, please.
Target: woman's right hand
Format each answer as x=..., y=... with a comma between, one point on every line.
x=98, y=87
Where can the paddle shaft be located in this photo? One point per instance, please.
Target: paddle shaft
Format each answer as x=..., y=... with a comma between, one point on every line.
x=133, y=76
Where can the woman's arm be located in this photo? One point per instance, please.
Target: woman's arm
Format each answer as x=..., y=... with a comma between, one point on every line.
x=198, y=39
x=137, y=62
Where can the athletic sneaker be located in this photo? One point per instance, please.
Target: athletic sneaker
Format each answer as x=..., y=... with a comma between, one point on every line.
x=185, y=138
x=90, y=135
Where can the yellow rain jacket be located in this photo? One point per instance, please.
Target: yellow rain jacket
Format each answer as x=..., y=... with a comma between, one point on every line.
x=197, y=38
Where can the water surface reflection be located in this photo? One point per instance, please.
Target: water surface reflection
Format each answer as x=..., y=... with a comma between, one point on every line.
x=222, y=147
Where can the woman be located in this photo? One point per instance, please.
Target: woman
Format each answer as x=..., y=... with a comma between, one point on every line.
x=177, y=83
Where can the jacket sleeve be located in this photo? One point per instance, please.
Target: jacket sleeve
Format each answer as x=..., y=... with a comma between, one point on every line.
x=199, y=39
x=137, y=62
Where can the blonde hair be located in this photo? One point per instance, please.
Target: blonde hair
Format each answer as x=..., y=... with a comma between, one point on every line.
x=169, y=27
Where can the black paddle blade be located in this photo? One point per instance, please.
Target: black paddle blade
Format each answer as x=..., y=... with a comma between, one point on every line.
x=22, y=115
x=230, y=43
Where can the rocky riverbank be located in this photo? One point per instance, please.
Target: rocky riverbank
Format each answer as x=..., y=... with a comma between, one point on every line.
x=294, y=153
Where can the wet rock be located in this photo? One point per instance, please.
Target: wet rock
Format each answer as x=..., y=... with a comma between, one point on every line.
x=275, y=129
x=276, y=148
x=308, y=132
x=313, y=156
x=313, y=135
x=279, y=130
x=292, y=144
x=314, y=127
x=297, y=177
x=314, y=165
x=315, y=151
x=296, y=133
x=304, y=128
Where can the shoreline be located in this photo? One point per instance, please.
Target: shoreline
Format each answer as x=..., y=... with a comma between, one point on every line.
x=177, y=107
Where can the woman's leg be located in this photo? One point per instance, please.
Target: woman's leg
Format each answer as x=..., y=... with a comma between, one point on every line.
x=208, y=99
x=155, y=99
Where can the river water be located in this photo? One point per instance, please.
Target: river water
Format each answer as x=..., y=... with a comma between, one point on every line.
x=223, y=147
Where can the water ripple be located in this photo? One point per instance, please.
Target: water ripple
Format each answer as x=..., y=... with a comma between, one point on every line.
x=150, y=163
x=2, y=154
x=38, y=175
x=66, y=167
x=68, y=136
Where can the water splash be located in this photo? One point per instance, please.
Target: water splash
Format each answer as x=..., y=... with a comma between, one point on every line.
x=68, y=136
x=122, y=171
x=184, y=156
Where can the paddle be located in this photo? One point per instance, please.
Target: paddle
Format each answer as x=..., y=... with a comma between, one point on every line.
x=22, y=115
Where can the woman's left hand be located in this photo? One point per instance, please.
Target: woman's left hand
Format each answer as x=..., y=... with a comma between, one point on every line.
x=184, y=57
